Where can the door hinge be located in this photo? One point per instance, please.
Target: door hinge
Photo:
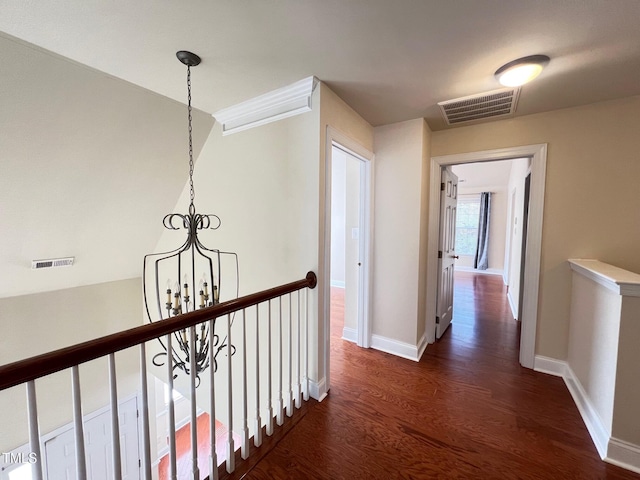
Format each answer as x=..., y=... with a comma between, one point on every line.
x=439, y=253
x=442, y=187
x=437, y=320
x=137, y=413
x=139, y=463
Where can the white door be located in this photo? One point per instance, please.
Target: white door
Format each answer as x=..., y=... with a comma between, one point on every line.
x=61, y=452
x=446, y=250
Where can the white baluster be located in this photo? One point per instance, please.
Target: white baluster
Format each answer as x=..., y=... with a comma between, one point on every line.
x=115, y=419
x=172, y=413
x=81, y=464
x=195, y=471
x=244, y=449
x=280, y=399
x=269, y=389
x=230, y=450
x=306, y=342
x=257, y=434
x=213, y=457
x=146, y=440
x=34, y=430
x=298, y=388
x=290, y=384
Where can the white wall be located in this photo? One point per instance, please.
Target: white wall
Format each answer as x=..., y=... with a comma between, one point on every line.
x=514, y=230
x=338, y=214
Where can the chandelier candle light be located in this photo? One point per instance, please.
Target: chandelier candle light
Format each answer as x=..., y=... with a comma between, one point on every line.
x=191, y=261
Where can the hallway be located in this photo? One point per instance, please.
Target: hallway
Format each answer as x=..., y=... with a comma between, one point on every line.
x=467, y=410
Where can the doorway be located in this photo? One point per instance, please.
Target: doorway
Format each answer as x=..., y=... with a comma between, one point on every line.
x=537, y=154
x=347, y=218
x=348, y=196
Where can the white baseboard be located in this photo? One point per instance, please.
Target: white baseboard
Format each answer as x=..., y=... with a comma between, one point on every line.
x=396, y=347
x=597, y=430
x=422, y=345
x=350, y=334
x=551, y=366
x=318, y=390
x=514, y=310
x=611, y=450
x=488, y=271
x=623, y=454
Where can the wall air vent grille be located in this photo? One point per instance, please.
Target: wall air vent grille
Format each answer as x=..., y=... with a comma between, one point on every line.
x=498, y=103
x=52, y=263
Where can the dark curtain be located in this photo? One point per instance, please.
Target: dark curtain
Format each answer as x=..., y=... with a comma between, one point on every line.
x=481, y=261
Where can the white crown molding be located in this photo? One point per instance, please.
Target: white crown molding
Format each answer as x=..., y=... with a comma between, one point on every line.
x=284, y=102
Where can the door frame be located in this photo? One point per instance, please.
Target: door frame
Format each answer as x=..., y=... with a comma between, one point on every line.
x=538, y=155
x=352, y=147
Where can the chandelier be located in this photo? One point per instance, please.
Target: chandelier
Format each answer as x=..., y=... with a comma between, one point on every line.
x=189, y=277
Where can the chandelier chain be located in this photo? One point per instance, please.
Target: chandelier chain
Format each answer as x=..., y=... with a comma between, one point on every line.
x=191, y=190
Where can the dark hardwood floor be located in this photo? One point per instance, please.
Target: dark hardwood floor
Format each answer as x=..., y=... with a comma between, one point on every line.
x=467, y=410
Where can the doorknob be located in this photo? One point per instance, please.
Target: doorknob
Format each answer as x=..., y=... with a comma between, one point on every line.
x=455, y=256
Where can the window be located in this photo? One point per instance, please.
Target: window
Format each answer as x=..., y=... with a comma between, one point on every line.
x=467, y=224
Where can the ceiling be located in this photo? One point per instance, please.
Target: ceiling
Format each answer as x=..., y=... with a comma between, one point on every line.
x=389, y=60
x=483, y=175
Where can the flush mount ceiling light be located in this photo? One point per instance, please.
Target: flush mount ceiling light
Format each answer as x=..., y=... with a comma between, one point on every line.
x=521, y=71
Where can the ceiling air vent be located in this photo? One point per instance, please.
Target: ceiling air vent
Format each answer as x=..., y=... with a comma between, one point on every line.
x=51, y=263
x=497, y=103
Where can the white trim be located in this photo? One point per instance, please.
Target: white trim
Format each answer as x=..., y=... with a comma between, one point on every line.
x=611, y=450
x=346, y=143
x=623, y=454
x=276, y=105
x=488, y=271
x=551, y=366
x=422, y=346
x=512, y=305
x=615, y=279
x=396, y=347
x=337, y=283
x=350, y=334
x=538, y=155
x=590, y=417
x=318, y=390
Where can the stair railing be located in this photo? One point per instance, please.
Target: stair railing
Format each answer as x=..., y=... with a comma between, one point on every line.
x=289, y=336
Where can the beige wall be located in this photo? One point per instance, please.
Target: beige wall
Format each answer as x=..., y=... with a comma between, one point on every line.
x=593, y=158
x=424, y=295
x=593, y=342
x=399, y=217
x=42, y=322
x=626, y=422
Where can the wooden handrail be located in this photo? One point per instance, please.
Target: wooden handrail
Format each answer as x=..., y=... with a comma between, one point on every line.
x=32, y=368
